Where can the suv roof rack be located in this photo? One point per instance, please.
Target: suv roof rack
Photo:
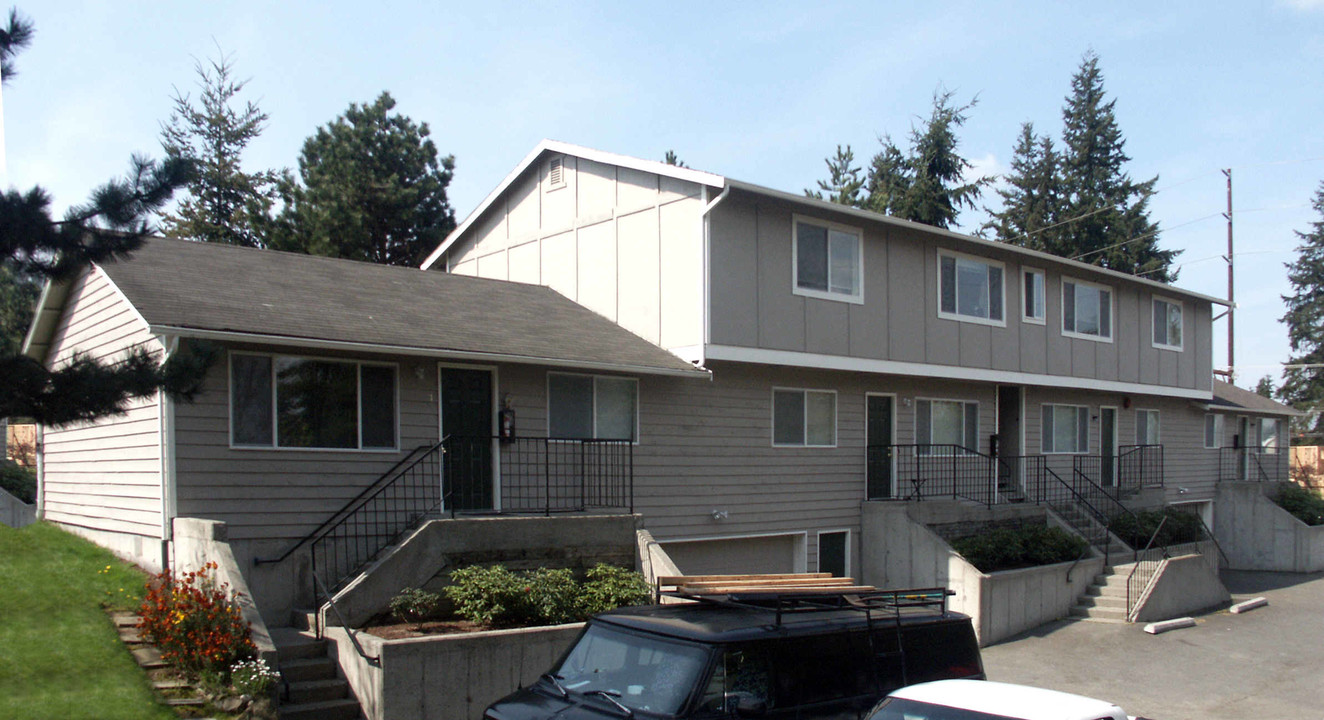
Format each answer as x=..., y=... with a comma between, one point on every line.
x=802, y=592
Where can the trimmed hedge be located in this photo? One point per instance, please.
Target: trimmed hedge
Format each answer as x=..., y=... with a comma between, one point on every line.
x=496, y=597
x=1302, y=503
x=1012, y=548
x=1182, y=526
x=19, y=481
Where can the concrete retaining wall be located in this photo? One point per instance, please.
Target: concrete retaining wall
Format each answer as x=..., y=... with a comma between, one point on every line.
x=899, y=550
x=14, y=512
x=447, y=676
x=1182, y=585
x=1256, y=534
x=198, y=542
x=425, y=558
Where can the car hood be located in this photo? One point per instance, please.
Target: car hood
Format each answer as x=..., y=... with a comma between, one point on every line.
x=529, y=704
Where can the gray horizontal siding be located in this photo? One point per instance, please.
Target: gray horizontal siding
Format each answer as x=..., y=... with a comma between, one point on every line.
x=104, y=475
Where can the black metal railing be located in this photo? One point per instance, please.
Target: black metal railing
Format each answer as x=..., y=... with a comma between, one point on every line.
x=1076, y=503
x=539, y=475
x=942, y=471
x=1253, y=464
x=1150, y=559
x=1139, y=467
x=389, y=507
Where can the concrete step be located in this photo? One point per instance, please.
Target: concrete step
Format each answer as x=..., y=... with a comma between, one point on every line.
x=1098, y=614
x=294, y=644
x=308, y=669
x=1107, y=591
x=326, y=710
x=1103, y=602
x=314, y=691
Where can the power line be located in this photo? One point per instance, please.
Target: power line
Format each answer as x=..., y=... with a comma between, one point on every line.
x=1145, y=236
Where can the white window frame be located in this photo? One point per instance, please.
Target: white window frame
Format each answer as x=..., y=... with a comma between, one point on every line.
x=958, y=401
x=275, y=403
x=1043, y=287
x=1075, y=409
x=957, y=316
x=552, y=162
x=1157, y=423
x=1112, y=315
x=1219, y=423
x=1266, y=447
x=804, y=420
x=818, y=547
x=548, y=394
x=1181, y=310
x=857, y=297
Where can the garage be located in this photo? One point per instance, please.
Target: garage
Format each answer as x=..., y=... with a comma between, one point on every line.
x=762, y=554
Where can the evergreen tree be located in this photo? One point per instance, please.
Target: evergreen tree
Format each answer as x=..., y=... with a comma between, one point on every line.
x=1032, y=199
x=1265, y=388
x=225, y=204
x=844, y=181
x=671, y=158
x=1303, y=387
x=18, y=296
x=1109, y=212
x=925, y=184
x=373, y=188
x=112, y=224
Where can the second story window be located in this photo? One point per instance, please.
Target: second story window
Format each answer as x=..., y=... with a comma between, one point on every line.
x=827, y=260
x=1087, y=311
x=1167, y=324
x=970, y=289
x=1034, y=299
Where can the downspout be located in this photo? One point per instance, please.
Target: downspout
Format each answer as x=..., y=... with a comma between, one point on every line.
x=165, y=410
x=707, y=267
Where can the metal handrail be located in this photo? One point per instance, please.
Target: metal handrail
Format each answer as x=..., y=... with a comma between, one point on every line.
x=359, y=500
x=353, y=637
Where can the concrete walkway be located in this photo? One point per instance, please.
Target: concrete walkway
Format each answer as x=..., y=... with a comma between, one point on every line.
x=1268, y=663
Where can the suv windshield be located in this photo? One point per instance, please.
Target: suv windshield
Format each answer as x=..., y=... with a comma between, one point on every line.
x=649, y=673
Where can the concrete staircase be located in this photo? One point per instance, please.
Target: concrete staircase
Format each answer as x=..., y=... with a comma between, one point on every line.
x=1087, y=526
x=312, y=687
x=1105, y=599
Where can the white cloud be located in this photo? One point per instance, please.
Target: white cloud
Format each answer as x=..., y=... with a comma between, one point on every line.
x=1303, y=5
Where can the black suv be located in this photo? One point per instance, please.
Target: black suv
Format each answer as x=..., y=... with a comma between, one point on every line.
x=770, y=655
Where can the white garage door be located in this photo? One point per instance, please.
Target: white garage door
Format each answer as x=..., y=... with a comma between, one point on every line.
x=774, y=554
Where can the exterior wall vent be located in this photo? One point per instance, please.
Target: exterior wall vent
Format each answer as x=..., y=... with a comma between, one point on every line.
x=556, y=172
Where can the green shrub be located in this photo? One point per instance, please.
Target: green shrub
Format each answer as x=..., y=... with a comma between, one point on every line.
x=1011, y=548
x=496, y=597
x=19, y=481
x=609, y=587
x=1182, y=526
x=1304, y=504
x=415, y=605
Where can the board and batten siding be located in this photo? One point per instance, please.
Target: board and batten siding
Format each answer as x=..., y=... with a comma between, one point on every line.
x=753, y=305
x=279, y=493
x=625, y=243
x=104, y=475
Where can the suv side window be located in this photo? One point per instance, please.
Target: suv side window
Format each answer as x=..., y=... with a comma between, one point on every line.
x=795, y=673
x=940, y=651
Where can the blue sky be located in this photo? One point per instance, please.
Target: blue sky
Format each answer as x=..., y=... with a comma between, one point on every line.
x=761, y=92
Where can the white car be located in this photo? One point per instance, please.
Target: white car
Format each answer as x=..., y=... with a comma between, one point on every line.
x=984, y=700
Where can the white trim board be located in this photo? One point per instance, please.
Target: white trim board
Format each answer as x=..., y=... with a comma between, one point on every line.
x=952, y=372
x=410, y=351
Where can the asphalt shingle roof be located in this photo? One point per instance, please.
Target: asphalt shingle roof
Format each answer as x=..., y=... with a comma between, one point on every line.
x=221, y=288
x=1231, y=396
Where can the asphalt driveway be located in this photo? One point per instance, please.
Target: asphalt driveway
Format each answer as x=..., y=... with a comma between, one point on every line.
x=1268, y=663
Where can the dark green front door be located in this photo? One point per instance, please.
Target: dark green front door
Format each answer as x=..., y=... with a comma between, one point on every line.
x=466, y=422
x=878, y=458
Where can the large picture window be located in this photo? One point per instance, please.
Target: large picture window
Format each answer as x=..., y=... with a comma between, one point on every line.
x=970, y=289
x=1087, y=311
x=804, y=418
x=827, y=260
x=1066, y=429
x=294, y=402
x=592, y=407
x=1167, y=324
x=946, y=423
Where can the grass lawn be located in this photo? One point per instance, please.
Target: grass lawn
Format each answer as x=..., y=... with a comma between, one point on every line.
x=60, y=656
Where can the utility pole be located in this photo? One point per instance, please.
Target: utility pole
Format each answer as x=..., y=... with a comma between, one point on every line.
x=1231, y=296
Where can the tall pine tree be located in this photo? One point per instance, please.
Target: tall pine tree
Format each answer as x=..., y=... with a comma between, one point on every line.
x=844, y=181
x=225, y=204
x=1303, y=387
x=1032, y=199
x=373, y=188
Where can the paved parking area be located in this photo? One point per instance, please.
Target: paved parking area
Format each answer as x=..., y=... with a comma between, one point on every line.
x=1268, y=663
